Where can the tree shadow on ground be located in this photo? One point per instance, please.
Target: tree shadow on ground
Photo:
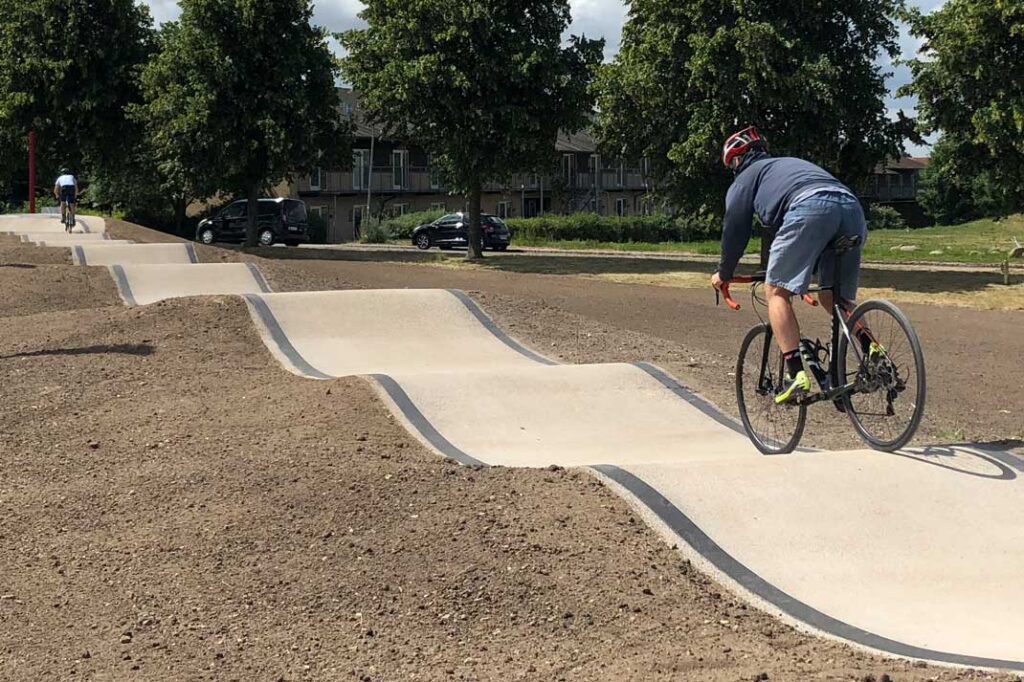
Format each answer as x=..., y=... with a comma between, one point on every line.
x=659, y=270
x=138, y=349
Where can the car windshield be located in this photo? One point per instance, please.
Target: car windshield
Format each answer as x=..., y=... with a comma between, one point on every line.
x=234, y=210
x=295, y=211
x=497, y=222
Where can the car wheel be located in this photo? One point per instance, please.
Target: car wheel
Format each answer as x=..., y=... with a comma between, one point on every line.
x=207, y=236
x=503, y=247
x=266, y=237
x=423, y=241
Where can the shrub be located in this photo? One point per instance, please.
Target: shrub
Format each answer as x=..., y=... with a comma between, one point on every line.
x=401, y=227
x=375, y=233
x=885, y=218
x=637, y=229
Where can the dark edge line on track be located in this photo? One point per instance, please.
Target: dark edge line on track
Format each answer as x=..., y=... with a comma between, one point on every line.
x=421, y=423
x=79, y=255
x=260, y=280
x=496, y=331
x=278, y=336
x=192, y=257
x=125, y=289
x=681, y=525
x=689, y=396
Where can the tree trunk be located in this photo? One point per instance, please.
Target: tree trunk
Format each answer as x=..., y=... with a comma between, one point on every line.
x=251, y=236
x=180, y=205
x=475, y=247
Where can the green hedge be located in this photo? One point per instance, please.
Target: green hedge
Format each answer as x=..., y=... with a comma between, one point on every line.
x=401, y=227
x=582, y=227
x=593, y=227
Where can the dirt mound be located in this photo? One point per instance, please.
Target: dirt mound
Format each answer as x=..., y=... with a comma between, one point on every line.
x=174, y=503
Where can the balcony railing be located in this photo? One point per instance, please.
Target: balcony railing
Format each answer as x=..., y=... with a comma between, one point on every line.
x=420, y=180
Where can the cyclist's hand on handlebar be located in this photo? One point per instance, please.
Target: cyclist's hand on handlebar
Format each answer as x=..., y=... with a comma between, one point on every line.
x=717, y=281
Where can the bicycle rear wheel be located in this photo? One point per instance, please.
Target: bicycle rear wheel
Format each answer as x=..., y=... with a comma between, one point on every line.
x=888, y=402
x=760, y=374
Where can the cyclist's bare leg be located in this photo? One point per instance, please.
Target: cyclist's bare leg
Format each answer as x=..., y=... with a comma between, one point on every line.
x=782, y=318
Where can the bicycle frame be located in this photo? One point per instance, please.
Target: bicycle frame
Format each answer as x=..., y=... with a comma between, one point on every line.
x=835, y=388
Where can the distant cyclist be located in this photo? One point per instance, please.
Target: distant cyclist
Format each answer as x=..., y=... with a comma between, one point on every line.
x=807, y=209
x=66, y=192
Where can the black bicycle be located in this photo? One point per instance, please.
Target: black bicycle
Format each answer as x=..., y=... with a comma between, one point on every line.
x=69, y=219
x=872, y=369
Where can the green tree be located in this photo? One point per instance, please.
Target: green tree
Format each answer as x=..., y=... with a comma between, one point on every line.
x=68, y=70
x=969, y=83
x=961, y=183
x=690, y=73
x=242, y=96
x=484, y=85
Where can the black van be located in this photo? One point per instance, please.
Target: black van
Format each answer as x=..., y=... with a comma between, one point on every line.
x=282, y=221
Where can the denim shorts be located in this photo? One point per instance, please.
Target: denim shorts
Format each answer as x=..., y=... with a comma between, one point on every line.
x=801, y=245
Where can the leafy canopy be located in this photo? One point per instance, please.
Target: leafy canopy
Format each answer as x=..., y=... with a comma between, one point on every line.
x=68, y=70
x=970, y=85
x=806, y=73
x=241, y=95
x=485, y=85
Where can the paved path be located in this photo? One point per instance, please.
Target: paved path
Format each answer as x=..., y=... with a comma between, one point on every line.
x=918, y=554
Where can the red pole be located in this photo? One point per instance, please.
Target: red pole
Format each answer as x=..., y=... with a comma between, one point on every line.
x=32, y=172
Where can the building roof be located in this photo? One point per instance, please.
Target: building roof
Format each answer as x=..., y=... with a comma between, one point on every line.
x=904, y=163
x=576, y=142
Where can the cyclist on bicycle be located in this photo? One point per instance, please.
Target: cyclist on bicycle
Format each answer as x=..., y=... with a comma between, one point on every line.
x=65, y=190
x=806, y=209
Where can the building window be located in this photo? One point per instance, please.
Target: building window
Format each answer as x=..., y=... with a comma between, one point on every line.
x=435, y=177
x=504, y=209
x=569, y=169
x=620, y=174
x=398, y=210
x=438, y=207
x=400, y=168
x=316, y=180
x=621, y=207
x=360, y=168
x=595, y=169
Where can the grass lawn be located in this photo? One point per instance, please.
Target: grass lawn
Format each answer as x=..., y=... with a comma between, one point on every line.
x=982, y=241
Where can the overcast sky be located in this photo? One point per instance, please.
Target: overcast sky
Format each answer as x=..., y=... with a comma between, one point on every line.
x=594, y=18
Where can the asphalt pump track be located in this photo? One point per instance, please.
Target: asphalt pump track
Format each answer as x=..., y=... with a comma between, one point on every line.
x=918, y=554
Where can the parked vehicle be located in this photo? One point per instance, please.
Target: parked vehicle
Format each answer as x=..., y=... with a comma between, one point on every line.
x=278, y=221
x=452, y=230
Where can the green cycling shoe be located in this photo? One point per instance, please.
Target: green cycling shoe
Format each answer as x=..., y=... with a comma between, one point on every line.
x=798, y=387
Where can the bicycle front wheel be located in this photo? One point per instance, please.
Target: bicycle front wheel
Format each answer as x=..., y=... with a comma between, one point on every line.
x=887, y=370
x=760, y=376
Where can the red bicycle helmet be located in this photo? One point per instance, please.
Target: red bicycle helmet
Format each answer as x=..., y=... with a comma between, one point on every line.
x=739, y=144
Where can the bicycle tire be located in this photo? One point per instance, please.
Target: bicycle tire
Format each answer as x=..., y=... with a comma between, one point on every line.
x=785, y=438
x=853, y=410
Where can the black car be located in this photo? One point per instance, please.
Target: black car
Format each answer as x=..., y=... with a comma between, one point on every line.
x=278, y=221
x=451, y=230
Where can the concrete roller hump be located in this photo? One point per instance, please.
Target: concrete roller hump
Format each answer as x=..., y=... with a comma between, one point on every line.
x=49, y=223
x=143, y=284
x=341, y=333
x=918, y=554
x=109, y=253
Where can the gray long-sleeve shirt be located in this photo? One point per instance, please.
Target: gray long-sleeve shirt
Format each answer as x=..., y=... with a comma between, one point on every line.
x=766, y=186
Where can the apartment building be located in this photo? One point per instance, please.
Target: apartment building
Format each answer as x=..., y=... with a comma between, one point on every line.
x=393, y=179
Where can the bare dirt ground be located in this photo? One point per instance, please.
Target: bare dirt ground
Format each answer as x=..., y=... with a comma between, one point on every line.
x=174, y=505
